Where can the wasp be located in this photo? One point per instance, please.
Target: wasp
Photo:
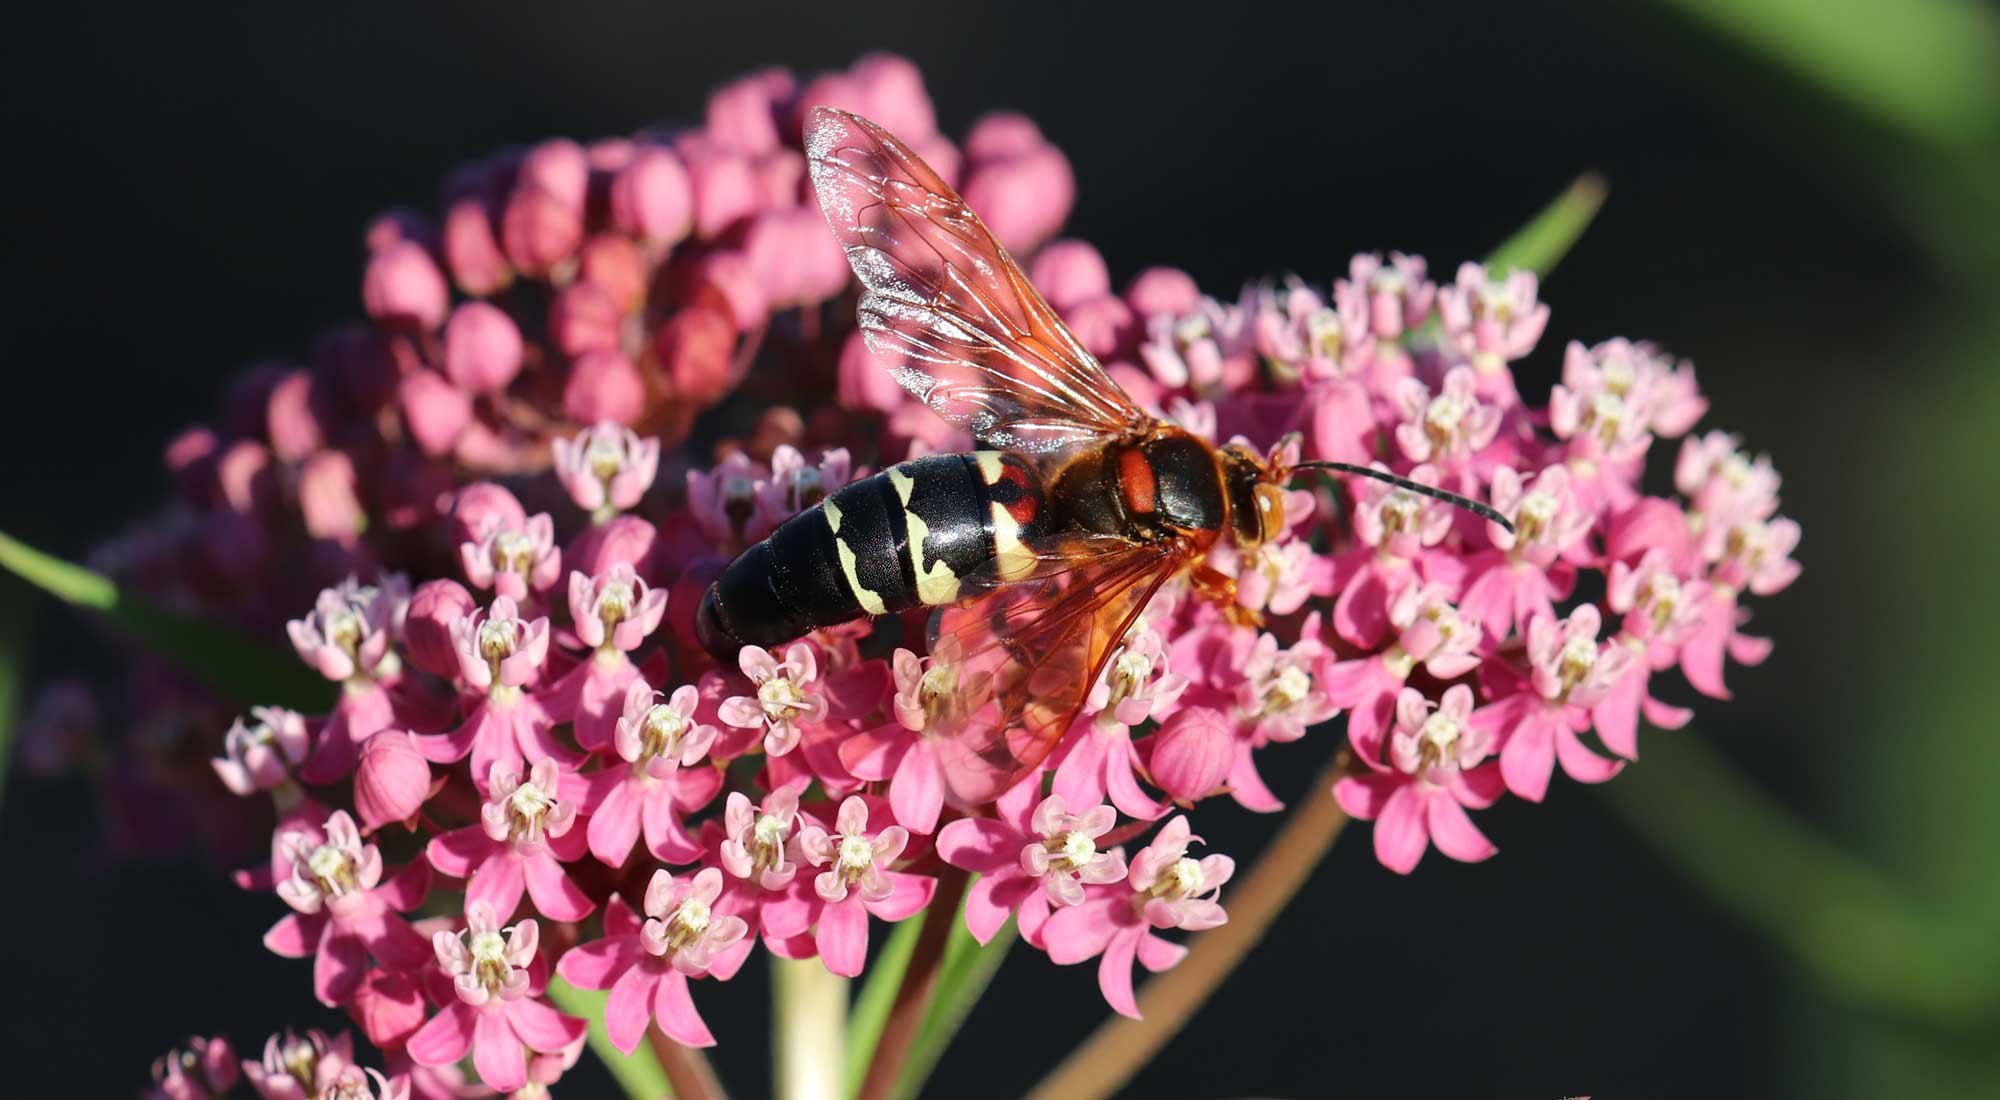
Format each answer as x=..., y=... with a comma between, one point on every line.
x=1040, y=550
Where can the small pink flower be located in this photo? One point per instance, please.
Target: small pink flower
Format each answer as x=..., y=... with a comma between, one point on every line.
x=723, y=501
x=1723, y=484
x=606, y=468
x=935, y=698
x=513, y=561
x=1303, y=336
x=260, y=754
x=1569, y=672
x=1429, y=631
x=1492, y=323
x=647, y=967
x=496, y=1014
x=525, y=834
x=787, y=698
x=651, y=197
x=758, y=841
x=1433, y=774
x=205, y=1069
x=291, y=1066
x=392, y=781
x=1448, y=428
x=403, y=284
x=1136, y=684
x=1031, y=857
x=348, y=631
x=344, y=911
x=1165, y=888
x=482, y=348
x=657, y=739
x=796, y=485
x=1395, y=297
x=1528, y=569
x=497, y=648
x=857, y=882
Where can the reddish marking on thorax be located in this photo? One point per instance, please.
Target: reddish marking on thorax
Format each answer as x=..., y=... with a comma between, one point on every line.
x=1135, y=477
x=1022, y=507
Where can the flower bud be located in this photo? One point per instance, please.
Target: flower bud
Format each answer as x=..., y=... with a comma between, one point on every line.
x=328, y=497
x=604, y=385
x=613, y=263
x=388, y=1007
x=1069, y=273
x=742, y=114
x=1023, y=199
x=1002, y=134
x=472, y=251
x=583, y=317
x=652, y=198
x=396, y=226
x=290, y=418
x=1158, y=290
x=481, y=506
x=724, y=187
x=403, y=284
x=699, y=347
x=391, y=781
x=482, y=348
x=893, y=95
x=626, y=539
x=863, y=382
x=435, y=410
x=730, y=278
x=434, y=607
x=538, y=230
x=1193, y=752
x=559, y=168
x=1105, y=326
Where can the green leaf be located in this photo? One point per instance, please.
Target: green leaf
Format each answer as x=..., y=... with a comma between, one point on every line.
x=1858, y=932
x=237, y=667
x=878, y=995
x=968, y=968
x=638, y=1073
x=1541, y=244
x=1927, y=68
x=16, y=620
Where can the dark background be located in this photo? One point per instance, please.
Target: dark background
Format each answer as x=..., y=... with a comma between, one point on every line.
x=185, y=191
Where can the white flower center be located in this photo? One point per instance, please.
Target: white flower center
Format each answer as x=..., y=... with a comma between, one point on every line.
x=614, y=603
x=767, y=841
x=856, y=854
x=688, y=924
x=1618, y=376
x=1324, y=331
x=1070, y=851
x=1439, y=734
x=1442, y=418
x=664, y=726
x=529, y=806
x=330, y=870
x=513, y=552
x=1182, y=878
x=604, y=457
x=1129, y=673
x=300, y=1059
x=497, y=639
x=1400, y=511
x=1288, y=689
x=1537, y=511
x=1573, y=665
x=489, y=960
x=344, y=629
x=780, y=698
x=1190, y=330
x=1607, y=414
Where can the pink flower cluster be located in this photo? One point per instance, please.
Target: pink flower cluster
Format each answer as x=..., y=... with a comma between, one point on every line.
x=529, y=707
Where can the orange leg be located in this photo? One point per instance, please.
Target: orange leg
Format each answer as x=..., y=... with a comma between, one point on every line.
x=1220, y=588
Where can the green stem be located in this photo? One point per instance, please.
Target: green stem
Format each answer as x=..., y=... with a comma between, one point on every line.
x=913, y=996
x=638, y=1073
x=1540, y=244
x=809, y=1010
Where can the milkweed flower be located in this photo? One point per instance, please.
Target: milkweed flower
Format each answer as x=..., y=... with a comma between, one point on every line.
x=293, y=1066
x=526, y=832
x=607, y=468
x=647, y=967
x=1031, y=858
x=1433, y=774
x=204, y=1069
x=496, y=1011
x=786, y=699
x=260, y=754
x=344, y=912
x=857, y=883
x=657, y=739
x=1164, y=888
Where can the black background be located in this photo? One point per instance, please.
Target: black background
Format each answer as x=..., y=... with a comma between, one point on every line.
x=185, y=191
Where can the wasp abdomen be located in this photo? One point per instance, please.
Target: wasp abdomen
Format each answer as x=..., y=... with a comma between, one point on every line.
x=905, y=537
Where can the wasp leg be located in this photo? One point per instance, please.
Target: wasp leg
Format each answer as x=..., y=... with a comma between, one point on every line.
x=1219, y=588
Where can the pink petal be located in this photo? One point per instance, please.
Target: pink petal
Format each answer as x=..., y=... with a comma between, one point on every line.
x=555, y=895
x=916, y=794
x=497, y=1053
x=907, y=894
x=498, y=882
x=675, y=1010
x=666, y=837
x=979, y=844
x=614, y=825
x=1247, y=787
x=459, y=851
x=445, y=1038
x=395, y=943
x=1400, y=838
x=597, y=964
x=993, y=899
x=874, y=753
x=1114, y=973
x=1363, y=796
x=409, y=888
x=628, y=1010
x=339, y=967
x=1156, y=954
x=842, y=936
x=542, y=1027
x=1453, y=832
x=1081, y=931
x=294, y=936
x=1529, y=758
x=1580, y=763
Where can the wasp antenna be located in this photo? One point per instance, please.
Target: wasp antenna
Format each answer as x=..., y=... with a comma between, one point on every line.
x=1453, y=499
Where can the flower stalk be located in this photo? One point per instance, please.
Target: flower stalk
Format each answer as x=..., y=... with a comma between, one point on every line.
x=913, y=996
x=809, y=1015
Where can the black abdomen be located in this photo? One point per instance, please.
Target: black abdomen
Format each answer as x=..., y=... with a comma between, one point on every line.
x=905, y=537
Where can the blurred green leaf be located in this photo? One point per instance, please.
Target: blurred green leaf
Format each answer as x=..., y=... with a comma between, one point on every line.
x=241, y=670
x=878, y=994
x=967, y=969
x=16, y=618
x=638, y=1073
x=1928, y=68
x=1542, y=243
x=1852, y=928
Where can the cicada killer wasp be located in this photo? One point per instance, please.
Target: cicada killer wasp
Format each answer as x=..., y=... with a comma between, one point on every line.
x=1041, y=549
